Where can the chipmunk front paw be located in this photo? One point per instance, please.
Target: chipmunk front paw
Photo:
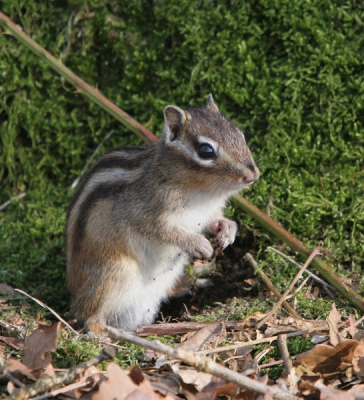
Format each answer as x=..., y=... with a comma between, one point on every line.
x=225, y=231
x=199, y=247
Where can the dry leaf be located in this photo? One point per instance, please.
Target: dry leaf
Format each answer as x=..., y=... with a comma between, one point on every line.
x=326, y=360
x=333, y=320
x=194, y=377
x=119, y=386
x=358, y=361
x=217, y=387
x=200, y=339
x=39, y=345
x=355, y=333
x=18, y=370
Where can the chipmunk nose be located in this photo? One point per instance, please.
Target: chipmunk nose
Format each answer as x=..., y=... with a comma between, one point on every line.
x=252, y=174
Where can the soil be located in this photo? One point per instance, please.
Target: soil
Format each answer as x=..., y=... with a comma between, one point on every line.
x=226, y=279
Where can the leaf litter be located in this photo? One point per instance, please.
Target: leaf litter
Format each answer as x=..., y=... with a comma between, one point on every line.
x=333, y=368
x=214, y=360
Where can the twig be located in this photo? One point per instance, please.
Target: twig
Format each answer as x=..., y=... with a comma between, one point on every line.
x=108, y=135
x=282, y=344
x=65, y=389
x=184, y=327
x=259, y=356
x=7, y=203
x=270, y=285
x=250, y=343
x=298, y=265
x=315, y=252
x=296, y=245
x=72, y=78
x=49, y=309
x=13, y=346
x=302, y=285
x=8, y=326
x=12, y=378
x=359, y=321
x=204, y=364
x=47, y=383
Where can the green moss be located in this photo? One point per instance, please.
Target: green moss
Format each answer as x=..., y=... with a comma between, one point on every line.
x=288, y=72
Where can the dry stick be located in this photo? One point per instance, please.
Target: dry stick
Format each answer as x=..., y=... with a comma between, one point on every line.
x=262, y=218
x=270, y=285
x=315, y=252
x=72, y=78
x=272, y=226
x=204, y=364
x=298, y=265
x=184, y=327
x=65, y=389
x=253, y=342
x=7, y=203
x=47, y=383
x=301, y=286
x=282, y=344
x=49, y=309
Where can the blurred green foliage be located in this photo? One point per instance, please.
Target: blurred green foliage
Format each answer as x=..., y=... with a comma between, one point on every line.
x=289, y=72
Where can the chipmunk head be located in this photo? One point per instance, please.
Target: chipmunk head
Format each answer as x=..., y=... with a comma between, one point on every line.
x=210, y=146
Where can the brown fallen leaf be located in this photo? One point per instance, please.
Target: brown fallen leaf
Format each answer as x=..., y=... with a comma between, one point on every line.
x=200, y=338
x=358, y=361
x=40, y=344
x=217, y=387
x=333, y=321
x=194, y=377
x=119, y=385
x=355, y=333
x=327, y=360
x=18, y=370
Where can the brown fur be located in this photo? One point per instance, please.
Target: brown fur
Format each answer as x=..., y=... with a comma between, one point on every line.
x=130, y=202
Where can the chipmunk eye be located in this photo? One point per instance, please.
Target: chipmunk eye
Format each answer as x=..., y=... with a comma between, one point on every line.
x=206, y=151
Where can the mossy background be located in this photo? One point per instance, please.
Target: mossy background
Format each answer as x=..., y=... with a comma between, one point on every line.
x=288, y=72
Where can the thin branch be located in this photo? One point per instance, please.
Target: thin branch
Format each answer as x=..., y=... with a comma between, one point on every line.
x=72, y=78
x=270, y=285
x=49, y=309
x=299, y=266
x=48, y=383
x=251, y=343
x=184, y=327
x=204, y=364
x=282, y=344
x=315, y=252
x=296, y=245
x=65, y=389
x=7, y=203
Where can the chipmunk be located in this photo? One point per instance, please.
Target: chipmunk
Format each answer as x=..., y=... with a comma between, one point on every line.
x=138, y=216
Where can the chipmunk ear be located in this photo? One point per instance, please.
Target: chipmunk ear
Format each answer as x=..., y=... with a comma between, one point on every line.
x=174, y=121
x=211, y=105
